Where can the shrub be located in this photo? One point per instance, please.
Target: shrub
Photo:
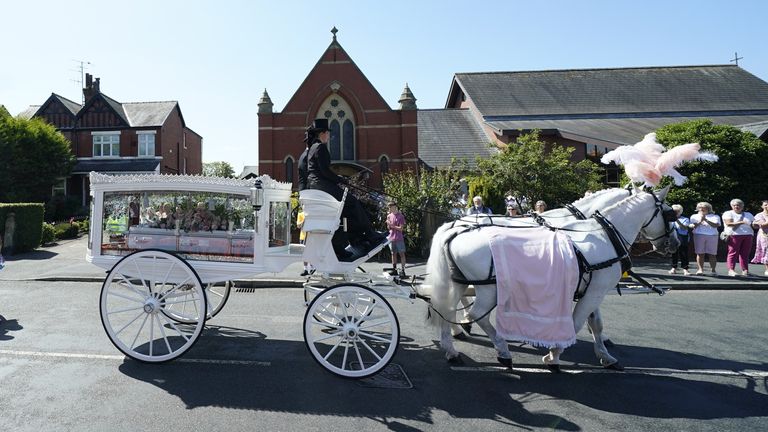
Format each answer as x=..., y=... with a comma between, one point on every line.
x=28, y=229
x=48, y=234
x=66, y=230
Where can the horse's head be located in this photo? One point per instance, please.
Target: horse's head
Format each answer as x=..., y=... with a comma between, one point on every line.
x=660, y=229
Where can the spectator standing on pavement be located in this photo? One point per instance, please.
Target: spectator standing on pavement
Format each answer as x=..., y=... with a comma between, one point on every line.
x=740, y=241
x=478, y=207
x=760, y=223
x=396, y=225
x=681, y=225
x=704, y=225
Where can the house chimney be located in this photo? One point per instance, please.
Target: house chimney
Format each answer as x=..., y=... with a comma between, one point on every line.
x=91, y=87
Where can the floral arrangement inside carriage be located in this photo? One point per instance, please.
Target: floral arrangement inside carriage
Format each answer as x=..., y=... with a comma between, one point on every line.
x=199, y=225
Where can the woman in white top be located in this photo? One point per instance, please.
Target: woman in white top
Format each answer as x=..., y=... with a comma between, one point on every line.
x=704, y=225
x=740, y=240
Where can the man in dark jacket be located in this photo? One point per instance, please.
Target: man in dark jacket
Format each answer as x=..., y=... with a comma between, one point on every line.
x=361, y=235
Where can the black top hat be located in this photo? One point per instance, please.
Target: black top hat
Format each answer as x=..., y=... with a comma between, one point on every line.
x=319, y=125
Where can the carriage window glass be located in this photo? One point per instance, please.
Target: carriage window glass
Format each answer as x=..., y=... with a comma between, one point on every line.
x=279, y=224
x=196, y=225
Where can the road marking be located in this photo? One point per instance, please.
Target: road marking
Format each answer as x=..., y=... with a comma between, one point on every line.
x=632, y=370
x=120, y=357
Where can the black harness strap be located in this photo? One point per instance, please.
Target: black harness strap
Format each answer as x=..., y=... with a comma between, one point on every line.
x=575, y=212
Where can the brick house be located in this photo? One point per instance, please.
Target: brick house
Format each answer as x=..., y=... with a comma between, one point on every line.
x=118, y=138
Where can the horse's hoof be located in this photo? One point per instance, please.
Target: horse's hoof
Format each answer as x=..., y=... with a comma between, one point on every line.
x=505, y=362
x=554, y=368
x=467, y=328
x=608, y=343
x=456, y=360
x=615, y=366
x=460, y=336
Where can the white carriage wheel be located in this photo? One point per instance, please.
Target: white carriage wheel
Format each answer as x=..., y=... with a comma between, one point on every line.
x=312, y=290
x=360, y=335
x=216, y=295
x=133, y=296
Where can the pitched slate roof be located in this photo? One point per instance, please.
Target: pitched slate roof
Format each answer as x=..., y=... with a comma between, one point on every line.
x=73, y=107
x=760, y=129
x=117, y=166
x=559, y=93
x=29, y=112
x=148, y=113
x=610, y=132
x=448, y=133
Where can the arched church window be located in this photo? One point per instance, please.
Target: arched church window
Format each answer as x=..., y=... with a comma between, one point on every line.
x=289, y=169
x=348, y=138
x=383, y=168
x=341, y=121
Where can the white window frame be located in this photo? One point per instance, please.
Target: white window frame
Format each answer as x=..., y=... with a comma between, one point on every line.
x=144, y=135
x=112, y=144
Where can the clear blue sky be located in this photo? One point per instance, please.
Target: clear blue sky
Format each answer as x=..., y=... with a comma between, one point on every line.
x=216, y=57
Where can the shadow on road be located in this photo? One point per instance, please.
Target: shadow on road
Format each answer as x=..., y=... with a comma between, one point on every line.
x=7, y=325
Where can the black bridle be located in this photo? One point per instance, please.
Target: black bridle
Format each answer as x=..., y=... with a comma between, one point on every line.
x=667, y=213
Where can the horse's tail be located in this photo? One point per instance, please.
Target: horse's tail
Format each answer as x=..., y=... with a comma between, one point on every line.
x=438, y=284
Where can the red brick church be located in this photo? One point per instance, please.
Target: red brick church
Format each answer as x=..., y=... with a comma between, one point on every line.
x=366, y=134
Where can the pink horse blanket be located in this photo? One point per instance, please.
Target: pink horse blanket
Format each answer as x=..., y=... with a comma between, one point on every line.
x=537, y=273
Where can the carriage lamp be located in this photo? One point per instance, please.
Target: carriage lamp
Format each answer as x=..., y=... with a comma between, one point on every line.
x=257, y=200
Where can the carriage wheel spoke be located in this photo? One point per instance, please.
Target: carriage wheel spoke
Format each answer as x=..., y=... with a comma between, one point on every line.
x=359, y=357
x=329, y=336
x=362, y=342
x=344, y=359
x=178, y=330
x=129, y=298
x=134, y=308
x=131, y=322
x=138, y=332
x=336, y=345
x=151, y=334
x=132, y=287
x=374, y=337
x=165, y=338
x=377, y=323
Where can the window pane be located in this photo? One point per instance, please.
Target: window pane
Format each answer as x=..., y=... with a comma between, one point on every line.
x=289, y=170
x=349, y=141
x=335, y=144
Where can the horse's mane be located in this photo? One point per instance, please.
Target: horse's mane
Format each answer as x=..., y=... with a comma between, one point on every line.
x=593, y=196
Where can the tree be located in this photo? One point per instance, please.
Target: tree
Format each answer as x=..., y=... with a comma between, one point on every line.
x=425, y=200
x=530, y=171
x=218, y=169
x=34, y=158
x=739, y=173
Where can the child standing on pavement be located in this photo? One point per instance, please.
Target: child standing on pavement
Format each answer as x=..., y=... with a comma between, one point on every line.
x=396, y=225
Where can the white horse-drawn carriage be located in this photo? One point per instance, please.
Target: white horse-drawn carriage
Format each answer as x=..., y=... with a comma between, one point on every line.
x=172, y=243
x=168, y=269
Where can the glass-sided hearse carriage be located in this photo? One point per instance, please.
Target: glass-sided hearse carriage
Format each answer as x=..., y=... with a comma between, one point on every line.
x=171, y=244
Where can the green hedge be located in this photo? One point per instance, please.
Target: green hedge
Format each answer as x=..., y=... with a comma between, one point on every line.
x=29, y=223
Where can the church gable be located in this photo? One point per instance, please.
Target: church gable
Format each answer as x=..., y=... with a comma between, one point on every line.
x=102, y=112
x=335, y=72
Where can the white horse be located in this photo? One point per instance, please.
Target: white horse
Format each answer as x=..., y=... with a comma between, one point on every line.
x=642, y=212
x=580, y=209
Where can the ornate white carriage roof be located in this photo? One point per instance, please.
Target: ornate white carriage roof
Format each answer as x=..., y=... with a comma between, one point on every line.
x=267, y=182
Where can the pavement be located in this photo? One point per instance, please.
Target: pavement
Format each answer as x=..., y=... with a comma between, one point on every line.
x=65, y=261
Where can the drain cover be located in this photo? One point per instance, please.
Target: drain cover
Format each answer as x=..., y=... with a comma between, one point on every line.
x=393, y=376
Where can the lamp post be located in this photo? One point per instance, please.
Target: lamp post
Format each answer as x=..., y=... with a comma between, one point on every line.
x=257, y=201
